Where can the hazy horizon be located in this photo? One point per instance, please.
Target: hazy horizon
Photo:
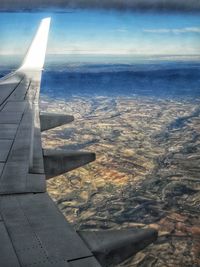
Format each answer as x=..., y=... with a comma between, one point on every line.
x=14, y=60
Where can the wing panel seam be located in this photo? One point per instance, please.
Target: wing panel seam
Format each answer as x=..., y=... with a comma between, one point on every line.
x=10, y=237
x=12, y=91
x=11, y=147
x=36, y=236
x=28, y=89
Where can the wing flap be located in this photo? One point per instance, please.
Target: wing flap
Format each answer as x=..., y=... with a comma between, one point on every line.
x=20, y=92
x=15, y=106
x=10, y=117
x=8, y=131
x=17, y=154
x=36, y=164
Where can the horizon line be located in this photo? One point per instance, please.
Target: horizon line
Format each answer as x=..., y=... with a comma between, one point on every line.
x=108, y=54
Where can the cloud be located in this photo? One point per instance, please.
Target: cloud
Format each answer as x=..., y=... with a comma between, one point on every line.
x=174, y=31
x=122, y=5
x=122, y=30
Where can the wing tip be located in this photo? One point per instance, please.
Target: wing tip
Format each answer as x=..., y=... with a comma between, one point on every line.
x=34, y=59
x=47, y=20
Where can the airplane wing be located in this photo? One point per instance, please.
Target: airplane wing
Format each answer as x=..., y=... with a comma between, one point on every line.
x=33, y=232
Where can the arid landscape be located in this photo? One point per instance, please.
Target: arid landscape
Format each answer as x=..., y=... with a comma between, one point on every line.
x=129, y=73
x=146, y=172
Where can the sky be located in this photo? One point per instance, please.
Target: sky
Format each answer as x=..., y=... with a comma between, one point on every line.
x=120, y=5
x=104, y=32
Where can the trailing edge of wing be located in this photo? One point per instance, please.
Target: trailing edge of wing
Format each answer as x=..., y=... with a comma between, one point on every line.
x=34, y=59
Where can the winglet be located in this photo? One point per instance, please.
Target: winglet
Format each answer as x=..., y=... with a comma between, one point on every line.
x=34, y=59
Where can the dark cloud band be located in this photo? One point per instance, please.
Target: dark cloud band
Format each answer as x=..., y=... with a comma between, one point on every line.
x=121, y=5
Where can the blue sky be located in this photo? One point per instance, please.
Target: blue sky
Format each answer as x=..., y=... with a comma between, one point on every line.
x=104, y=32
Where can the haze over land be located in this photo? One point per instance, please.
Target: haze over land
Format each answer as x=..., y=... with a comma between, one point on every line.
x=142, y=120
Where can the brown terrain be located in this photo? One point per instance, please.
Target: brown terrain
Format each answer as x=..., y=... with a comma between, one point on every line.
x=146, y=172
